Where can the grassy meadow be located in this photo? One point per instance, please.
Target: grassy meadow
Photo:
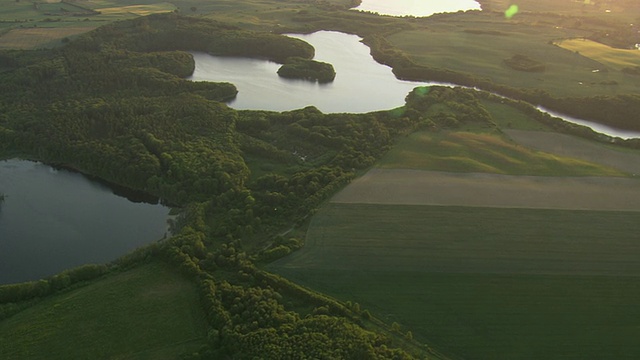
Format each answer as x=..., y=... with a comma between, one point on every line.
x=483, y=283
x=149, y=312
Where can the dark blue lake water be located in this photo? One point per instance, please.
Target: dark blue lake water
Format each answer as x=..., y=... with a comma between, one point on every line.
x=55, y=219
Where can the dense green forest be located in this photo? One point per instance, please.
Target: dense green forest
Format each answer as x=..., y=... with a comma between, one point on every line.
x=113, y=103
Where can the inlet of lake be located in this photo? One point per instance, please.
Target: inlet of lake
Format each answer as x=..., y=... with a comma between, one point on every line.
x=54, y=219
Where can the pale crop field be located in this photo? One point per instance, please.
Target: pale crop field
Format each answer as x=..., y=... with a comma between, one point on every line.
x=138, y=10
x=33, y=38
x=615, y=58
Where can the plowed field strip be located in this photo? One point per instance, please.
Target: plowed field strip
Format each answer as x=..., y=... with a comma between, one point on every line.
x=570, y=146
x=414, y=187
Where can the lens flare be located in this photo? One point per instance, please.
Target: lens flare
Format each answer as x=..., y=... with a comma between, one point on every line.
x=511, y=11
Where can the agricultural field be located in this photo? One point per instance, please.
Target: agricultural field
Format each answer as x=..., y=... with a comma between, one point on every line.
x=399, y=186
x=462, y=151
x=494, y=260
x=569, y=146
x=483, y=283
x=617, y=59
x=480, y=46
x=40, y=37
x=32, y=25
x=149, y=312
x=137, y=10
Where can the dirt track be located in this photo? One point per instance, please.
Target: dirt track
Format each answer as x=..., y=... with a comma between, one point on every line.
x=414, y=187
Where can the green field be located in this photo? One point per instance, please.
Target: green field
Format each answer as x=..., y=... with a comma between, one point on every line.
x=149, y=312
x=484, y=283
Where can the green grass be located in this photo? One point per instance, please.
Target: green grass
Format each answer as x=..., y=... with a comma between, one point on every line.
x=148, y=312
x=482, y=152
x=511, y=317
x=484, y=283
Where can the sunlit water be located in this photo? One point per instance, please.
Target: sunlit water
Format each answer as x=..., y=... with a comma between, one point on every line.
x=52, y=220
x=418, y=8
x=361, y=84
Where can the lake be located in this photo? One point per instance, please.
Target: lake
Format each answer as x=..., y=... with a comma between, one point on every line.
x=55, y=219
x=362, y=85
x=418, y=8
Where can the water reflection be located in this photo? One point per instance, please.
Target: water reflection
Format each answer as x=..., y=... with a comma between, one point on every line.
x=418, y=8
x=54, y=219
x=361, y=84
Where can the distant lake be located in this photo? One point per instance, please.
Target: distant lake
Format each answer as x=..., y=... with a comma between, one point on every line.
x=55, y=219
x=418, y=8
x=361, y=84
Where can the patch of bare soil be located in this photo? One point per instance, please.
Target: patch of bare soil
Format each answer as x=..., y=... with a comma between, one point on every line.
x=414, y=187
x=32, y=38
x=570, y=146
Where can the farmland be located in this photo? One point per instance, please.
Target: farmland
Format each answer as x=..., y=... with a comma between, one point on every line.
x=448, y=45
x=27, y=25
x=33, y=38
x=492, y=261
x=615, y=58
x=483, y=283
x=149, y=312
x=482, y=152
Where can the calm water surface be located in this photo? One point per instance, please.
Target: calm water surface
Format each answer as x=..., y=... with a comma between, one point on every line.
x=52, y=220
x=361, y=84
x=418, y=8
